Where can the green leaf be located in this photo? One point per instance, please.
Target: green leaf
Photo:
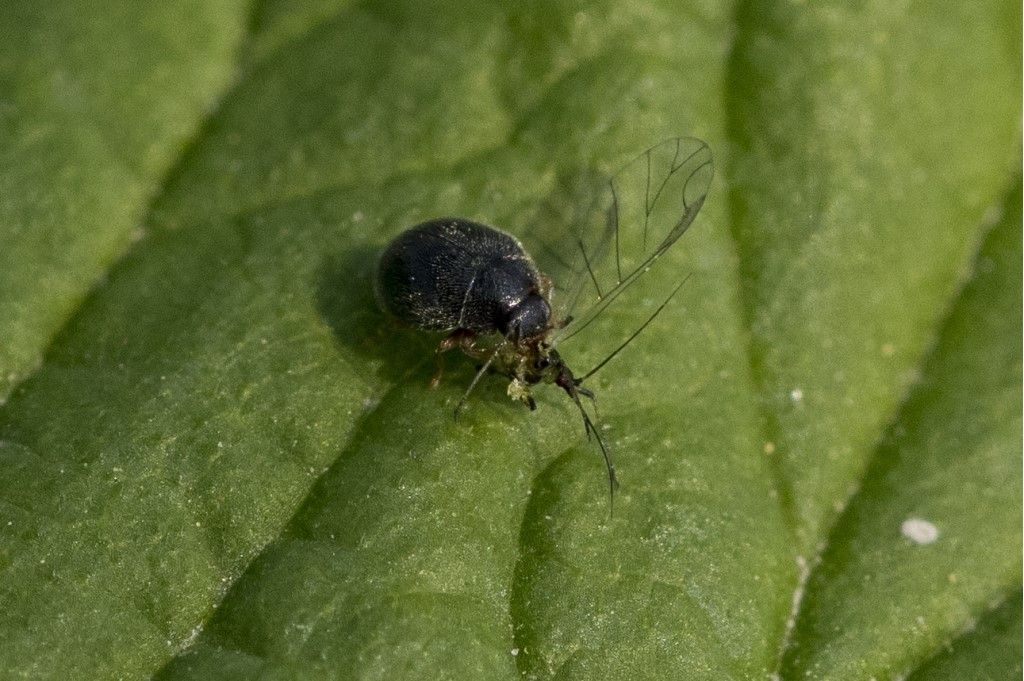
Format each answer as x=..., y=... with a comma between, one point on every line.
x=229, y=465
x=991, y=650
x=96, y=102
x=928, y=539
x=857, y=192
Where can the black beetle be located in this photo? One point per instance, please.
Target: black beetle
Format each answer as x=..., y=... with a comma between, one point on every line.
x=454, y=274
x=477, y=283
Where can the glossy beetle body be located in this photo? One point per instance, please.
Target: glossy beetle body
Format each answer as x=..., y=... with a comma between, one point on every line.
x=456, y=275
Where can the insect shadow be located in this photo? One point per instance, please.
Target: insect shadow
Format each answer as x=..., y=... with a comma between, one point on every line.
x=345, y=301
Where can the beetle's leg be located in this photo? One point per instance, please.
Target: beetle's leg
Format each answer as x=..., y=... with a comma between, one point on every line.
x=457, y=338
x=480, y=353
x=476, y=379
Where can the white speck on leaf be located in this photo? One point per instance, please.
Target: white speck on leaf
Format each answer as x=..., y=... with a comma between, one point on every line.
x=919, y=531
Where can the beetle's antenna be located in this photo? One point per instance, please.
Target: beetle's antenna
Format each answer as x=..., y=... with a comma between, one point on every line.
x=591, y=430
x=635, y=333
x=476, y=379
x=613, y=482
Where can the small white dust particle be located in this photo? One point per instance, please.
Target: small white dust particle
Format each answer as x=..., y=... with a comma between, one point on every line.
x=514, y=651
x=220, y=445
x=796, y=394
x=919, y=531
x=769, y=448
x=358, y=216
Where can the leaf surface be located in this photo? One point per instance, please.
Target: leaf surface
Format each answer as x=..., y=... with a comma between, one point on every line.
x=96, y=104
x=229, y=465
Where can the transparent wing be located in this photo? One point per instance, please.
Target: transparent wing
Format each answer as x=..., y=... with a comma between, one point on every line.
x=612, y=231
x=568, y=230
x=652, y=201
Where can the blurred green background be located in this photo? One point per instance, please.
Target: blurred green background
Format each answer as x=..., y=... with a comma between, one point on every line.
x=220, y=461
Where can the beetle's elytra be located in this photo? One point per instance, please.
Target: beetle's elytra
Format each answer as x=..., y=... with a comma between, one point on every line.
x=481, y=286
x=454, y=274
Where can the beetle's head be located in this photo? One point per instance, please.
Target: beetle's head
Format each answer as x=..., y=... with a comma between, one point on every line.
x=530, y=319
